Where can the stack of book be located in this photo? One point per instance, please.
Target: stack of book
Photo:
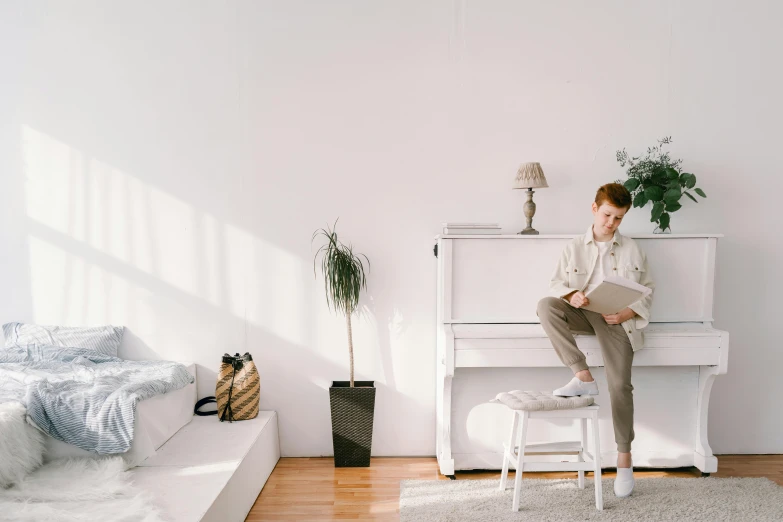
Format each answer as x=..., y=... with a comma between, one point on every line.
x=471, y=228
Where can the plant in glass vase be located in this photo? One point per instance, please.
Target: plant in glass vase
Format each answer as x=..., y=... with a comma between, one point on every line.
x=658, y=179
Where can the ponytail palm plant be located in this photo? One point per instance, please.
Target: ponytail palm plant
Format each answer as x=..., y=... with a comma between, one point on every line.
x=344, y=278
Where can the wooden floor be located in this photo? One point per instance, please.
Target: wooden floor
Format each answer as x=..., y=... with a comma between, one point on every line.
x=313, y=489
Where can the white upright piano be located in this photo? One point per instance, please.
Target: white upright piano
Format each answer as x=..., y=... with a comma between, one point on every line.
x=489, y=340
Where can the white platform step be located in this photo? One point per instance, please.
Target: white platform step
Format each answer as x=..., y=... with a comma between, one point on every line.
x=212, y=471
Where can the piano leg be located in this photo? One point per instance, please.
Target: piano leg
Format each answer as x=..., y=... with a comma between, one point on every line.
x=702, y=454
x=443, y=450
x=444, y=376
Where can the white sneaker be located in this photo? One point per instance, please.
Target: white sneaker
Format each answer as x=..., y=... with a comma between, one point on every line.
x=577, y=387
x=624, y=483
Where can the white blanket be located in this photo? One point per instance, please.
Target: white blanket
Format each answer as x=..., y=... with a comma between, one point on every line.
x=21, y=445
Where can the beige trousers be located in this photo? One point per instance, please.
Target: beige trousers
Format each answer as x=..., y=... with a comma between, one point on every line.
x=561, y=321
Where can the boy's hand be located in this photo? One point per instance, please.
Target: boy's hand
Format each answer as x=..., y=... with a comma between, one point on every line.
x=578, y=300
x=619, y=317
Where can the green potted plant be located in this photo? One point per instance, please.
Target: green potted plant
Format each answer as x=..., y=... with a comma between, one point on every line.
x=352, y=402
x=656, y=178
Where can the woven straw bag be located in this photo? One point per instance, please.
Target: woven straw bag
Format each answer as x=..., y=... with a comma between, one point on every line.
x=237, y=391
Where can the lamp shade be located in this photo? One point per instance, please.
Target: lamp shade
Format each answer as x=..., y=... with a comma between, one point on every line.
x=530, y=175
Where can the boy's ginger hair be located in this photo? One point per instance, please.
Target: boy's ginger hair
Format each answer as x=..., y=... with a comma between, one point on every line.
x=614, y=194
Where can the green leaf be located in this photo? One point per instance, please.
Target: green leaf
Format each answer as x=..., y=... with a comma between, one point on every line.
x=689, y=195
x=632, y=184
x=657, y=210
x=640, y=200
x=691, y=182
x=654, y=193
x=659, y=176
x=672, y=195
x=665, y=221
x=673, y=207
x=343, y=271
x=671, y=173
x=700, y=192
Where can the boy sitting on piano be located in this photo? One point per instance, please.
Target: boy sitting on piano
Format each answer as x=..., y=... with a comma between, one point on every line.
x=583, y=265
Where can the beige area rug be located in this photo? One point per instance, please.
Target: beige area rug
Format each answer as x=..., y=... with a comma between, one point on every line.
x=653, y=499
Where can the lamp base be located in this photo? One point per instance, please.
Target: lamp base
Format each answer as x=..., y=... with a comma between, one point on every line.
x=530, y=211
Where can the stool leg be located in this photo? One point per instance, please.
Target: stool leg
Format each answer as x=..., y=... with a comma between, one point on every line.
x=599, y=497
x=521, y=440
x=583, y=425
x=508, y=449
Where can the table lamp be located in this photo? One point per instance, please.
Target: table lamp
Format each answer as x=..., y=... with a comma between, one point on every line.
x=530, y=176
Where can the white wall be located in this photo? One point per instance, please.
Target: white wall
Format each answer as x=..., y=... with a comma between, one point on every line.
x=164, y=165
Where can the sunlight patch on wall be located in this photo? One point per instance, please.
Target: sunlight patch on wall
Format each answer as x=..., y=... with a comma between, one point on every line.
x=92, y=215
x=68, y=290
x=118, y=215
x=276, y=289
x=52, y=171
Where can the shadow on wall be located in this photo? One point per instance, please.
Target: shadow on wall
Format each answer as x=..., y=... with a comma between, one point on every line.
x=106, y=247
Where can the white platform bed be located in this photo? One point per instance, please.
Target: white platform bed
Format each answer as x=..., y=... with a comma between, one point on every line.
x=212, y=471
x=195, y=468
x=208, y=470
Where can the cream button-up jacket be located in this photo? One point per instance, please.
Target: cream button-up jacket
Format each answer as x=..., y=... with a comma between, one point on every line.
x=578, y=261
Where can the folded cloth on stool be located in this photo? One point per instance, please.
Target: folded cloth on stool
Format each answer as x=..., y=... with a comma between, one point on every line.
x=540, y=401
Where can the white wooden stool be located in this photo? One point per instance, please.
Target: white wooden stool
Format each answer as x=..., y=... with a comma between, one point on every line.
x=541, y=405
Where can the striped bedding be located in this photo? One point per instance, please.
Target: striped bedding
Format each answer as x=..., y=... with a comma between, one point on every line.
x=81, y=396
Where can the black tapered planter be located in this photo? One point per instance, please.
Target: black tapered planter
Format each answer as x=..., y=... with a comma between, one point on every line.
x=352, y=415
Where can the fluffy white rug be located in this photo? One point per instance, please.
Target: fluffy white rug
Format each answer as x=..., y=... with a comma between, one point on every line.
x=21, y=445
x=653, y=499
x=78, y=490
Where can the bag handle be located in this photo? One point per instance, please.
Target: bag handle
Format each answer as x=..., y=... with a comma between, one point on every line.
x=237, y=365
x=202, y=402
